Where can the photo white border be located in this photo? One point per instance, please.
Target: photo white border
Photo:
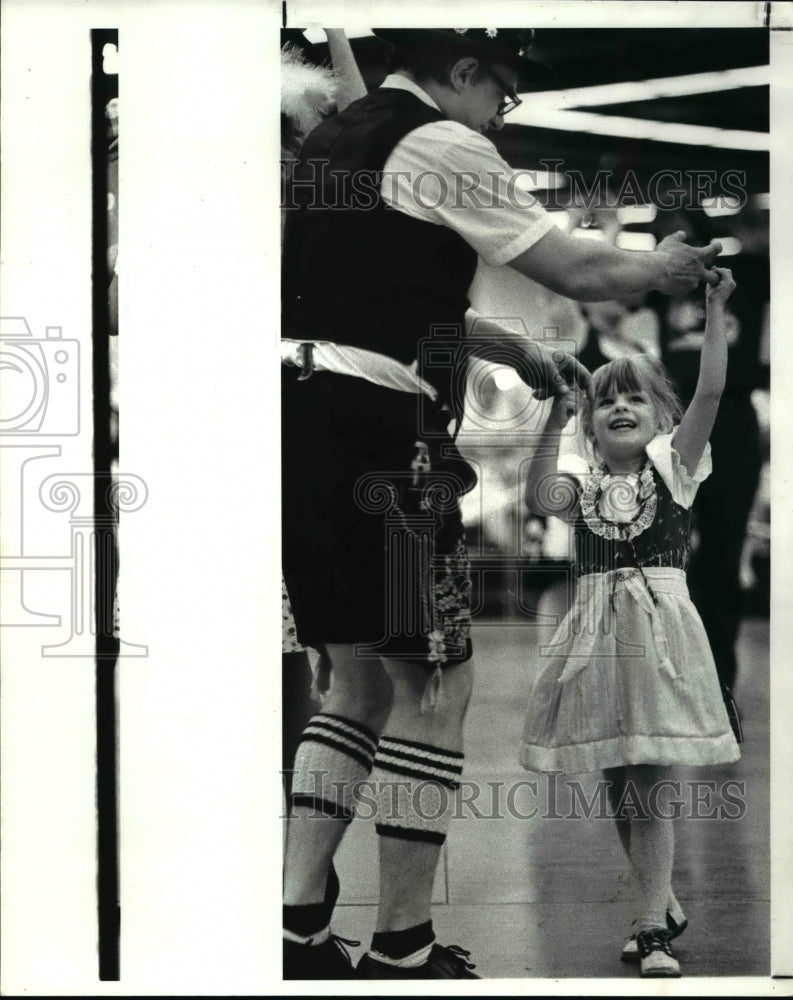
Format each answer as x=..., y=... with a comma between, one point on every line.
x=199, y=740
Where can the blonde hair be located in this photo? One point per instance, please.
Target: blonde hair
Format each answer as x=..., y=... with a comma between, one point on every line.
x=634, y=373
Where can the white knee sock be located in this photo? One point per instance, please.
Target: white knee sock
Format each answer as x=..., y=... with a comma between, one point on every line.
x=652, y=854
x=334, y=755
x=415, y=787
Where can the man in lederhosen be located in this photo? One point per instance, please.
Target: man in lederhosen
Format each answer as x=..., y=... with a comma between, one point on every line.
x=393, y=201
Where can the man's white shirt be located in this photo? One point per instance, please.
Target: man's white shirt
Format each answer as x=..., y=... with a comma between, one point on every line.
x=449, y=175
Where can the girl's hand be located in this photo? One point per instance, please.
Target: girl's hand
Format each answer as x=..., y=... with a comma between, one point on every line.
x=564, y=406
x=718, y=294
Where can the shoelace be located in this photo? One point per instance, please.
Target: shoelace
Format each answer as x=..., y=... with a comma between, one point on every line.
x=340, y=943
x=458, y=955
x=650, y=941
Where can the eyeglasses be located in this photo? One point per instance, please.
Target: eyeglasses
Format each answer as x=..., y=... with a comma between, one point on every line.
x=511, y=99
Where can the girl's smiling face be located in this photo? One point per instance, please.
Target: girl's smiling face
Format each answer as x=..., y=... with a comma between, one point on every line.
x=623, y=423
x=633, y=402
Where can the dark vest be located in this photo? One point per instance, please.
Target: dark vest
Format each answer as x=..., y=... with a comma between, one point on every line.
x=664, y=543
x=360, y=273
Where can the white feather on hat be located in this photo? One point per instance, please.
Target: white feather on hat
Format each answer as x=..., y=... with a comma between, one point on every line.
x=305, y=88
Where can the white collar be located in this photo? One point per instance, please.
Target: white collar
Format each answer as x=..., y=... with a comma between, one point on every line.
x=398, y=82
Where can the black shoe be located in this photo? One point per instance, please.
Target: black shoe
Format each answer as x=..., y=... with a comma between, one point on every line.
x=321, y=961
x=444, y=963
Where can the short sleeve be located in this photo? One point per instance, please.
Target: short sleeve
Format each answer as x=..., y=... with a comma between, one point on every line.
x=667, y=461
x=449, y=175
x=573, y=464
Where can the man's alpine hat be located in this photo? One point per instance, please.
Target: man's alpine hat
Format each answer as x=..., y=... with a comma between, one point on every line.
x=508, y=46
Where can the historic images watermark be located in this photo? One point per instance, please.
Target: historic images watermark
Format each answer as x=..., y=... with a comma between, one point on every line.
x=547, y=796
x=465, y=190
x=40, y=405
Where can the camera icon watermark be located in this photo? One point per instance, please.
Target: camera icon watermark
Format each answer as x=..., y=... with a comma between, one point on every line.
x=39, y=381
x=470, y=365
x=74, y=577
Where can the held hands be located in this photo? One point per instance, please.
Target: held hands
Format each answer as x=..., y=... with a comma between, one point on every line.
x=557, y=373
x=685, y=266
x=718, y=292
x=564, y=406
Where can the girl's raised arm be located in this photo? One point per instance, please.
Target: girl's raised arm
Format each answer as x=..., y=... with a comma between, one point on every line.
x=548, y=492
x=697, y=422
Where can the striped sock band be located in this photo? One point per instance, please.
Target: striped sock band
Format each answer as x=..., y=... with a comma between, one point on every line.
x=415, y=786
x=333, y=756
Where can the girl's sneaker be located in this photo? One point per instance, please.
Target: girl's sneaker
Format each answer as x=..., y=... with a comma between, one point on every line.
x=675, y=925
x=655, y=954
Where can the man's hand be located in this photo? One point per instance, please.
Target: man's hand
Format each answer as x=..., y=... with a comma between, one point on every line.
x=686, y=266
x=558, y=371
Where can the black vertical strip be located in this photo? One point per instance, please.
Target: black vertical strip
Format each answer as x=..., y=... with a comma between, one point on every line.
x=103, y=88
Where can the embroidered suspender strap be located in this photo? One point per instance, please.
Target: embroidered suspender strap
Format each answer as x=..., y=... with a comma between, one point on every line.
x=321, y=355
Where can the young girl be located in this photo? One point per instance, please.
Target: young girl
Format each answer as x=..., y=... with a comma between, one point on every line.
x=628, y=684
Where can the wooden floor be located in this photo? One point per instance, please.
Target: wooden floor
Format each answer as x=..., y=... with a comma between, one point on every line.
x=552, y=898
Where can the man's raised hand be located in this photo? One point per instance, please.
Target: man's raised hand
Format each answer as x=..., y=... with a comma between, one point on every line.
x=562, y=373
x=685, y=266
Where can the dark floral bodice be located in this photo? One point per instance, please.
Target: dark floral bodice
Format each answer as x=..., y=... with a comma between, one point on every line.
x=664, y=543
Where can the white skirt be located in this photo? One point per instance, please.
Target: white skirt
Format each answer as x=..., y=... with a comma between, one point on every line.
x=627, y=681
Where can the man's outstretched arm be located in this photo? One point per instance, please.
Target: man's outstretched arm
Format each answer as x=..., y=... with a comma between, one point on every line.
x=595, y=272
